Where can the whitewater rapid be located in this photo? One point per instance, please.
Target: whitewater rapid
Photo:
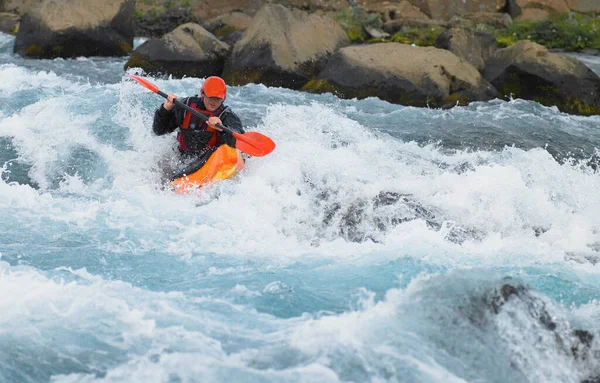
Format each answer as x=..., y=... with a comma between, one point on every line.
x=374, y=244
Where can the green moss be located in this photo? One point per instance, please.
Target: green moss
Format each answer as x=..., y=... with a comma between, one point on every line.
x=512, y=87
x=242, y=77
x=355, y=35
x=225, y=30
x=574, y=105
x=570, y=31
x=421, y=36
x=398, y=38
x=179, y=4
x=136, y=61
x=319, y=86
x=354, y=20
x=125, y=46
x=14, y=31
x=505, y=41
x=33, y=50
x=577, y=105
x=456, y=99
x=57, y=49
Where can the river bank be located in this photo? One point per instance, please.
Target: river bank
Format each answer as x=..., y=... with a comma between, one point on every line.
x=475, y=50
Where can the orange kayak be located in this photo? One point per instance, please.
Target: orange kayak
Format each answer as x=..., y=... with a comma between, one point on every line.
x=224, y=163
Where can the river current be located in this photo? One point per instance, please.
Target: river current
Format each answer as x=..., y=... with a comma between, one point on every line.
x=377, y=243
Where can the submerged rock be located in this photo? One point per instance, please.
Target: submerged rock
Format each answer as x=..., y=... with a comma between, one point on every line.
x=526, y=310
x=369, y=219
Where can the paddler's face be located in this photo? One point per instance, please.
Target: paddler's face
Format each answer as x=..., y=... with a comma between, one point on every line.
x=211, y=103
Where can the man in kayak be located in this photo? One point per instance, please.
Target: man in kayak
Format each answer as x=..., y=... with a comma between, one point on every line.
x=198, y=139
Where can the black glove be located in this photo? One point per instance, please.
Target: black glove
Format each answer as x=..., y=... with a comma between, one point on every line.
x=227, y=138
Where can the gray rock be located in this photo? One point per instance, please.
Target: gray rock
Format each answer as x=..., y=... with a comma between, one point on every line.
x=72, y=28
x=283, y=47
x=189, y=50
x=402, y=74
x=473, y=47
x=527, y=70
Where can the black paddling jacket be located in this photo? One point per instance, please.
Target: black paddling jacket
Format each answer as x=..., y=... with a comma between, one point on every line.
x=194, y=135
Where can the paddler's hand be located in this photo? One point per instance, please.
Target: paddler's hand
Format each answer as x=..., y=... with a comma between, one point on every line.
x=169, y=104
x=213, y=121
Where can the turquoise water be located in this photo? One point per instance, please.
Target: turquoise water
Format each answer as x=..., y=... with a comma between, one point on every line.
x=368, y=247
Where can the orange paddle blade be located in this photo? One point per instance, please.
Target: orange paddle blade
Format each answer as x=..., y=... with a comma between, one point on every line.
x=145, y=83
x=254, y=143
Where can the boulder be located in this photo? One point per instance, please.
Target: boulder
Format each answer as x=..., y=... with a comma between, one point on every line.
x=227, y=23
x=528, y=71
x=189, y=50
x=402, y=74
x=157, y=24
x=473, y=47
x=516, y=7
x=283, y=47
x=584, y=6
x=228, y=27
x=445, y=9
x=73, y=28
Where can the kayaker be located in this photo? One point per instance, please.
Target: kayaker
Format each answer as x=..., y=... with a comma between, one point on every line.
x=196, y=138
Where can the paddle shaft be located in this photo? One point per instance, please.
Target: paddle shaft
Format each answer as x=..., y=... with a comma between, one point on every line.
x=193, y=111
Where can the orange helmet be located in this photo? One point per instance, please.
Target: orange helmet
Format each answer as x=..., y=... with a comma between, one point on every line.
x=214, y=87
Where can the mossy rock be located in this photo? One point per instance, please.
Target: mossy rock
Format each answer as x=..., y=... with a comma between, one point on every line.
x=125, y=46
x=319, y=86
x=420, y=36
x=570, y=31
x=505, y=41
x=33, y=50
x=136, y=61
x=243, y=77
x=577, y=105
x=456, y=98
x=405, y=98
x=225, y=30
x=354, y=20
x=547, y=95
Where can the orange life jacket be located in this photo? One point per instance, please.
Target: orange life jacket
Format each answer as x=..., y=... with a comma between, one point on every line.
x=193, y=122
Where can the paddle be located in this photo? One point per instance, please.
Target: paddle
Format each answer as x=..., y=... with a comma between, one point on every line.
x=252, y=143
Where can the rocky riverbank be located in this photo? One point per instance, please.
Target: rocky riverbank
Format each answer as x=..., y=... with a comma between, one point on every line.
x=436, y=53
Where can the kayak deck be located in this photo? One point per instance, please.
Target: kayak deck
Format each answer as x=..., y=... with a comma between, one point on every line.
x=224, y=163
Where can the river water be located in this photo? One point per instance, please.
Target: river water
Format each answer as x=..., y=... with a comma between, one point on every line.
x=375, y=244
